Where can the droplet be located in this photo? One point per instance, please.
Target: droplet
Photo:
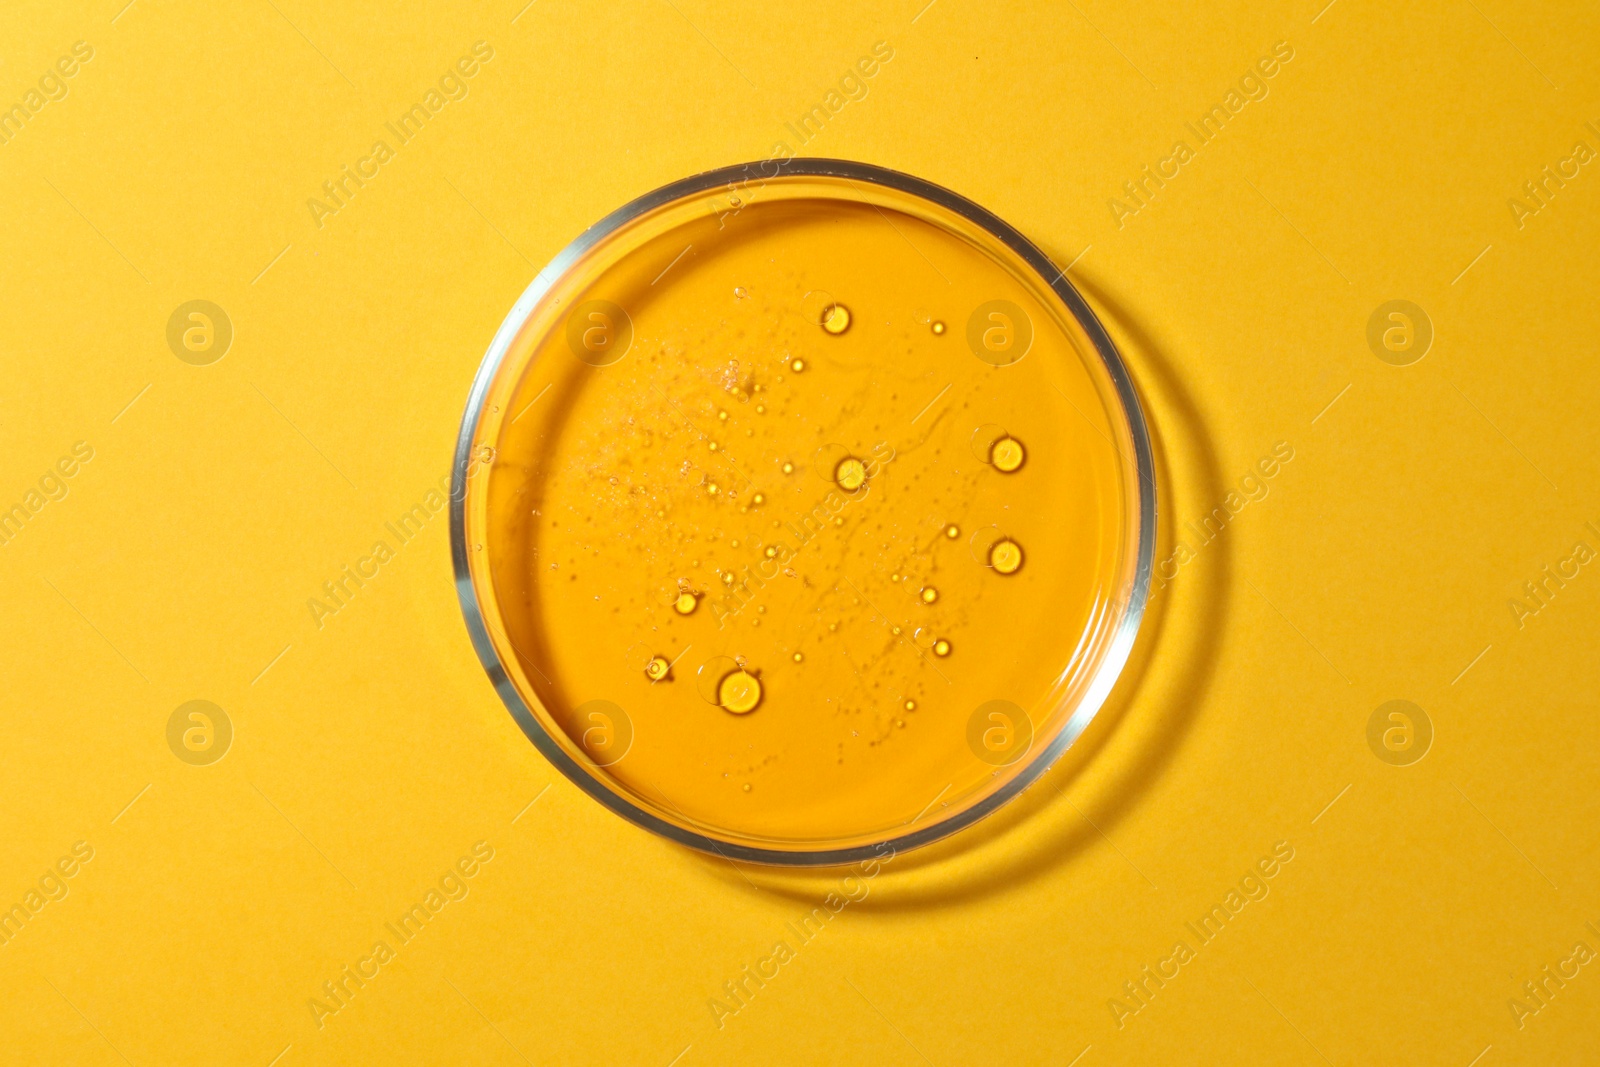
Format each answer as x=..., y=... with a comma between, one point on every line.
x=712, y=445
x=1007, y=454
x=723, y=415
x=938, y=327
x=711, y=487
x=941, y=647
x=758, y=499
x=771, y=552
x=894, y=577
x=798, y=365
x=746, y=787
x=929, y=594
x=761, y=409
x=836, y=318
x=1005, y=556
x=788, y=468
x=911, y=705
x=851, y=474
x=952, y=531
x=657, y=668
x=798, y=657
x=739, y=692
x=740, y=291
x=735, y=201
x=686, y=603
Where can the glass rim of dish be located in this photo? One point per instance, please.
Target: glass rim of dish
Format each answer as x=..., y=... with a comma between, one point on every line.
x=1118, y=641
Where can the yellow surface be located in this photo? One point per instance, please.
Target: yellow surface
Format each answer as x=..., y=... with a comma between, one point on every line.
x=1384, y=558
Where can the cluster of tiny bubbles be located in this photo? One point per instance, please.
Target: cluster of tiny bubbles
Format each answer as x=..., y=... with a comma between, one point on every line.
x=835, y=319
x=657, y=669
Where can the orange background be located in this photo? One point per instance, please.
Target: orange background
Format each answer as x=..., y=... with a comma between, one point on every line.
x=370, y=755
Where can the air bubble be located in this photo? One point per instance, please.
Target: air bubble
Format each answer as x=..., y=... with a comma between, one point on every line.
x=929, y=594
x=835, y=319
x=798, y=365
x=739, y=691
x=952, y=531
x=657, y=668
x=911, y=705
x=1005, y=556
x=686, y=603
x=941, y=647
x=938, y=327
x=1007, y=454
x=851, y=474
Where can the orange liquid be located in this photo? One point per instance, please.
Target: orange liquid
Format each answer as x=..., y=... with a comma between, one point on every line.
x=708, y=460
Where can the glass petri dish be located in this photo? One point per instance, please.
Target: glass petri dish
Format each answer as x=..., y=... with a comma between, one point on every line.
x=802, y=510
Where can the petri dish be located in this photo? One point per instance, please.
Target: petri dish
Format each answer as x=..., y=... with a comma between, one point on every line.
x=802, y=510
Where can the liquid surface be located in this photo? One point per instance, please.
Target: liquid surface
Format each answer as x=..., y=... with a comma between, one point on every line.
x=799, y=532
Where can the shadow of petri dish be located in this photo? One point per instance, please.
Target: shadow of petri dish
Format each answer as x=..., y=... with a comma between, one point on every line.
x=716, y=470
